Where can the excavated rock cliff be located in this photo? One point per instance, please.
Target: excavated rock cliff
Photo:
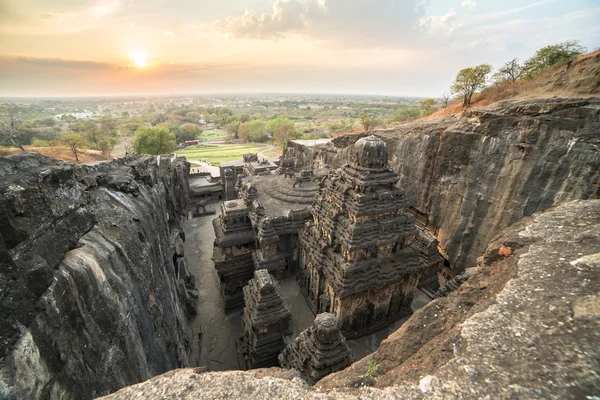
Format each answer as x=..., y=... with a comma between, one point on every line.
x=477, y=172
x=526, y=324
x=90, y=297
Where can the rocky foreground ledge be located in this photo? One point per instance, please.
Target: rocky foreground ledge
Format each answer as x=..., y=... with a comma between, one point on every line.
x=526, y=324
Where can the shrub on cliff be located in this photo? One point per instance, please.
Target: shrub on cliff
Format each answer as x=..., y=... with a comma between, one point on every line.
x=469, y=80
x=554, y=55
x=157, y=140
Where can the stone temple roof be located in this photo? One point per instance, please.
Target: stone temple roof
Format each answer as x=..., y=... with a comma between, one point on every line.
x=369, y=152
x=264, y=300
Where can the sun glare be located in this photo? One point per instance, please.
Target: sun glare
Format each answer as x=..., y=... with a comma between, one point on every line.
x=139, y=58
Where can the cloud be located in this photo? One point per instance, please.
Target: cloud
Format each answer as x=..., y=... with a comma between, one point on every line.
x=356, y=23
x=168, y=33
x=103, y=8
x=62, y=63
x=440, y=25
x=287, y=16
x=468, y=3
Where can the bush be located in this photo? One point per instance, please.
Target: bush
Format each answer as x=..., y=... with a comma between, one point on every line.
x=550, y=56
x=157, y=140
x=35, y=142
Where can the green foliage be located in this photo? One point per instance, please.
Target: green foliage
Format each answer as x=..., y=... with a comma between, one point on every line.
x=49, y=122
x=35, y=142
x=509, y=72
x=253, y=131
x=367, y=121
x=187, y=132
x=232, y=129
x=427, y=107
x=75, y=141
x=106, y=145
x=157, y=140
x=404, y=114
x=469, y=80
x=369, y=378
x=554, y=55
x=282, y=130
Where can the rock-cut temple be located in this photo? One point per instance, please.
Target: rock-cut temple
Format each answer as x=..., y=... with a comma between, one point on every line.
x=357, y=260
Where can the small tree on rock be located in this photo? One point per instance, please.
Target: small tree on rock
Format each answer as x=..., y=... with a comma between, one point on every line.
x=469, y=80
x=74, y=141
x=427, y=107
x=445, y=99
x=509, y=72
x=367, y=121
x=10, y=125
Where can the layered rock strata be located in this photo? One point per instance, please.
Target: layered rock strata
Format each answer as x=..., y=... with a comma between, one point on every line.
x=266, y=321
x=92, y=279
x=318, y=351
x=356, y=255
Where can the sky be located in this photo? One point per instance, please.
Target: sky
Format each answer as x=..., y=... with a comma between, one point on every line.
x=384, y=47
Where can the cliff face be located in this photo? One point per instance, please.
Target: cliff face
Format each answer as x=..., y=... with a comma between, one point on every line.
x=476, y=173
x=91, y=300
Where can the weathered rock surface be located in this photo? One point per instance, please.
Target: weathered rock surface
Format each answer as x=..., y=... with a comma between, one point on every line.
x=525, y=324
x=480, y=171
x=88, y=279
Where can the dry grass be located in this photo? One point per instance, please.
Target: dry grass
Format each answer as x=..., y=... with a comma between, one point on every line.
x=58, y=152
x=580, y=79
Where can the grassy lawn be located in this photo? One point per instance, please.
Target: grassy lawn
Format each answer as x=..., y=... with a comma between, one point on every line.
x=212, y=134
x=216, y=154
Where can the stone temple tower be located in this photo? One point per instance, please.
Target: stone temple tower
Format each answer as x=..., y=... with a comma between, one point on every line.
x=356, y=260
x=318, y=351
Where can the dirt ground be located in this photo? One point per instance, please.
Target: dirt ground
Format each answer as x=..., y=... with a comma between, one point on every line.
x=58, y=152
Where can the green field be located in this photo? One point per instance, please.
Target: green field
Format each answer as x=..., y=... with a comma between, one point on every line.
x=212, y=134
x=216, y=154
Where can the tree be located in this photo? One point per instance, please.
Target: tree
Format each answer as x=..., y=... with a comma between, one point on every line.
x=128, y=147
x=232, y=129
x=469, y=80
x=244, y=117
x=11, y=120
x=74, y=141
x=106, y=146
x=244, y=131
x=554, y=55
x=403, y=114
x=280, y=128
x=257, y=131
x=156, y=140
x=187, y=132
x=366, y=121
x=445, y=98
x=509, y=72
x=93, y=132
x=427, y=107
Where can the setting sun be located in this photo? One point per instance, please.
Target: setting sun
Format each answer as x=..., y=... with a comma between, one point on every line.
x=139, y=58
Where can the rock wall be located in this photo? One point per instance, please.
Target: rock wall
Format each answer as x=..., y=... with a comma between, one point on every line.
x=476, y=173
x=91, y=299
